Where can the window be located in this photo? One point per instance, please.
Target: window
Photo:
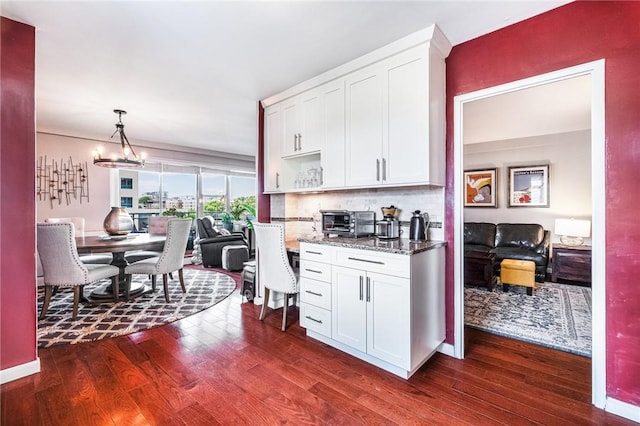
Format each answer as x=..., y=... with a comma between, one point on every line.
x=126, y=202
x=214, y=190
x=242, y=191
x=126, y=183
x=180, y=196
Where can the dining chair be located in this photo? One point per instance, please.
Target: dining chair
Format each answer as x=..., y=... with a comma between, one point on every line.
x=157, y=226
x=171, y=259
x=274, y=271
x=62, y=267
x=79, y=224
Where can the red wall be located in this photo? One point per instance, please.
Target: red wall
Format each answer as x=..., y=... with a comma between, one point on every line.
x=17, y=192
x=570, y=35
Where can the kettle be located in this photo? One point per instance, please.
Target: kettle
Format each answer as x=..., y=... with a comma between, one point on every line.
x=418, y=227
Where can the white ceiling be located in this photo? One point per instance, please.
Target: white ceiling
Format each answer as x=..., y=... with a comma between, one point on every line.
x=558, y=107
x=191, y=73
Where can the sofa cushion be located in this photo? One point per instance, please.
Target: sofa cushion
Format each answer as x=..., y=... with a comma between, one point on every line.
x=479, y=234
x=519, y=235
x=519, y=254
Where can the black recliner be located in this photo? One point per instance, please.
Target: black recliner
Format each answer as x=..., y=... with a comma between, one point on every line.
x=212, y=242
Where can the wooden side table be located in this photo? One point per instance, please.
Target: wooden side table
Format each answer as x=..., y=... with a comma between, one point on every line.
x=478, y=268
x=572, y=263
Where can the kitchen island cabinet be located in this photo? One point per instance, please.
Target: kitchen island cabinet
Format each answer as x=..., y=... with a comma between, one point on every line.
x=387, y=299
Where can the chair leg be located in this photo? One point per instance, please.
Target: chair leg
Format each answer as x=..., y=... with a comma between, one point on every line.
x=181, y=277
x=171, y=275
x=115, y=286
x=284, y=312
x=127, y=285
x=153, y=282
x=265, y=302
x=48, y=290
x=77, y=291
x=165, y=282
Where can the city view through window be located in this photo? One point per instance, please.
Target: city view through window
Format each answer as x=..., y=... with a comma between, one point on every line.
x=227, y=198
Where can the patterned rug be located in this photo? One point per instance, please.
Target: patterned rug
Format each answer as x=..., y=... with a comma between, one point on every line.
x=557, y=315
x=94, y=322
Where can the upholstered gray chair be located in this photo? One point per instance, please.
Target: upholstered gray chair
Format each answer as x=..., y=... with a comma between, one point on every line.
x=78, y=223
x=171, y=259
x=274, y=271
x=157, y=226
x=62, y=266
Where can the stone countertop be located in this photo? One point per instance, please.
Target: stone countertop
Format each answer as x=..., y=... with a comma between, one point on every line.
x=396, y=245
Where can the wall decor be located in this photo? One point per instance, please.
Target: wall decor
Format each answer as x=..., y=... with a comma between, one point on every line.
x=529, y=186
x=480, y=188
x=60, y=181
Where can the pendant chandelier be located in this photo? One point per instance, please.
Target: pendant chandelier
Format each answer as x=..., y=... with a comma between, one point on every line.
x=128, y=158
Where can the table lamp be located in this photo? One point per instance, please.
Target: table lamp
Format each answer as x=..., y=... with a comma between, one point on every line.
x=572, y=231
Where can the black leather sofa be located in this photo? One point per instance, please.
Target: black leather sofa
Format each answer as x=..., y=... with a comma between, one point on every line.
x=521, y=241
x=212, y=242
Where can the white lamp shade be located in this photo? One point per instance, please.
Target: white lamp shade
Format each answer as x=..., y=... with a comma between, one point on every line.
x=573, y=227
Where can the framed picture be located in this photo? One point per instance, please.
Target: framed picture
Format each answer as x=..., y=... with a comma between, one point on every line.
x=480, y=188
x=529, y=186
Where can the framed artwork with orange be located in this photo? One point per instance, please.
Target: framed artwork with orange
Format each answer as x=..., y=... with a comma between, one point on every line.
x=480, y=188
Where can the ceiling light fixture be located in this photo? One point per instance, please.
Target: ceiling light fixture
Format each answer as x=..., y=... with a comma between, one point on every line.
x=128, y=160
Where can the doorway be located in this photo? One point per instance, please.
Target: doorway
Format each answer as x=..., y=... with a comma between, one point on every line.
x=596, y=71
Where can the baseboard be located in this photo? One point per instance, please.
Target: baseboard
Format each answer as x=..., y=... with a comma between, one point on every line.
x=623, y=409
x=19, y=371
x=447, y=349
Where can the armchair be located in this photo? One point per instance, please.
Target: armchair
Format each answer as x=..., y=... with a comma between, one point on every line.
x=212, y=242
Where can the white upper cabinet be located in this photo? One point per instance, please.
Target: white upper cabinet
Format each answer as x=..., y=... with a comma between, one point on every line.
x=378, y=120
x=333, y=149
x=301, y=124
x=389, y=127
x=272, y=142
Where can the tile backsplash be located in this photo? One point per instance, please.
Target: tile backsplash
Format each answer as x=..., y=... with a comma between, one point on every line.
x=297, y=210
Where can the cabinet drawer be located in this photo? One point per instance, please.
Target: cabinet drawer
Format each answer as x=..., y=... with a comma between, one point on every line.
x=315, y=270
x=315, y=319
x=316, y=252
x=316, y=293
x=398, y=265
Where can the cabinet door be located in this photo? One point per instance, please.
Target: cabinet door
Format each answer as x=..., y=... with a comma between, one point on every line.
x=290, y=127
x=364, y=127
x=388, y=318
x=406, y=132
x=310, y=135
x=348, y=308
x=272, y=141
x=333, y=148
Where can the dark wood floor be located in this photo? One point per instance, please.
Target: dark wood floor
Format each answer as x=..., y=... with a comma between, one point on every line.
x=223, y=366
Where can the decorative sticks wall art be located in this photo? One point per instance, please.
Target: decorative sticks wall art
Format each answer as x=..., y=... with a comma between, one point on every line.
x=61, y=180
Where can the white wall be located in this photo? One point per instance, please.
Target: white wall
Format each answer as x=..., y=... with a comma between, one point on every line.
x=94, y=211
x=569, y=159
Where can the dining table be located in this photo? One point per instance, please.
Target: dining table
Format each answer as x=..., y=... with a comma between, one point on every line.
x=118, y=245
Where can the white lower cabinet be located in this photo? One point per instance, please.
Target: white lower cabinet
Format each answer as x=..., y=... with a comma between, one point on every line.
x=370, y=312
x=384, y=308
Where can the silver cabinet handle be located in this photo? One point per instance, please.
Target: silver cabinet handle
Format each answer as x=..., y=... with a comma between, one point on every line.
x=313, y=319
x=313, y=270
x=313, y=292
x=295, y=141
x=314, y=252
x=360, y=287
x=299, y=142
x=377, y=169
x=377, y=262
x=368, y=289
x=384, y=169
x=277, y=180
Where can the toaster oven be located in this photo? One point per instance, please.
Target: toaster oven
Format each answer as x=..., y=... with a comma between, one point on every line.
x=346, y=223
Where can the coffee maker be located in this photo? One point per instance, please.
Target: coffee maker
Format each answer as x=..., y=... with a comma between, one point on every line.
x=388, y=227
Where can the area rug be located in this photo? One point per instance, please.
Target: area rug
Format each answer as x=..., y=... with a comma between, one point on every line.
x=94, y=322
x=557, y=315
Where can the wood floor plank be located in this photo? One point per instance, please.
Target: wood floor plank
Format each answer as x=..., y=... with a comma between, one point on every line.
x=224, y=366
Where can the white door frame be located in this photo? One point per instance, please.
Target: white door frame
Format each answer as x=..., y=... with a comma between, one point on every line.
x=596, y=70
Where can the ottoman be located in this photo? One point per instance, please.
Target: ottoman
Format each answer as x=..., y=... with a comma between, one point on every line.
x=233, y=257
x=518, y=272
